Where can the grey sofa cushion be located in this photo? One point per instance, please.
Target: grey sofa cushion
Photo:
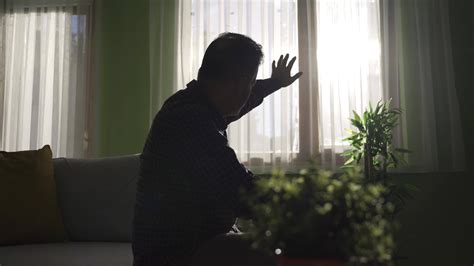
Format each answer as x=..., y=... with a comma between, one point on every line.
x=97, y=196
x=68, y=253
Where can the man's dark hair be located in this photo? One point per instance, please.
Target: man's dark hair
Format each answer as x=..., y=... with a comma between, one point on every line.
x=229, y=56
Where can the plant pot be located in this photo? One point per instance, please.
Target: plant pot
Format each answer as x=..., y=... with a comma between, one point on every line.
x=290, y=261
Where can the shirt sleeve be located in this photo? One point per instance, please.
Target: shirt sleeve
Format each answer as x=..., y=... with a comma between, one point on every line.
x=213, y=163
x=262, y=88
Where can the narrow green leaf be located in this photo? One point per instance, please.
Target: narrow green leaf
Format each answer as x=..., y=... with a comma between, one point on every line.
x=400, y=198
x=394, y=112
x=402, y=150
x=347, y=153
x=377, y=109
x=395, y=160
x=349, y=166
x=411, y=187
x=356, y=116
x=387, y=104
x=349, y=161
x=358, y=125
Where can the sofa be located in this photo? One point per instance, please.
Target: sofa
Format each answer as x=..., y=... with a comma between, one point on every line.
x=96, y=198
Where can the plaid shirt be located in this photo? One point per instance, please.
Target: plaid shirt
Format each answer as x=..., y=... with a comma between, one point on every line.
x=187, y=191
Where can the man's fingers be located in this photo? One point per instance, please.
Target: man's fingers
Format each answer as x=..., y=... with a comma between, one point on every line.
x=286, y=59
x=290, y=65
x=279, y=61
x=296, y=76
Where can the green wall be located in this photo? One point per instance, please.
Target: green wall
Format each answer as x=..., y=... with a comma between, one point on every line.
x=122, y=76
x=126, y=96
x=162, y=52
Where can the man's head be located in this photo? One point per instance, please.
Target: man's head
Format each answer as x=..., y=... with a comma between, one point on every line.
x=229, y=69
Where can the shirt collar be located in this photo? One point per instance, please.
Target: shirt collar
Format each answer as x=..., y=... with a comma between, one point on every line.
x=196, y=87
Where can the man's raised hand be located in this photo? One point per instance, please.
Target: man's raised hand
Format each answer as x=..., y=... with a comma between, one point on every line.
x=281, y=72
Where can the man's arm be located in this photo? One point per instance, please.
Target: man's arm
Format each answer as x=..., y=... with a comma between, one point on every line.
x=280, y=78
x=262, y=88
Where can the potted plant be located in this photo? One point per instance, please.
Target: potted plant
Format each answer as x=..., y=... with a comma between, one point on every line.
x=319, y=218
x=371, y=143
x=316, y=218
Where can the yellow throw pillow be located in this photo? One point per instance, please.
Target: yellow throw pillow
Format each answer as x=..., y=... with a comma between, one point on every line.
x=29, y=211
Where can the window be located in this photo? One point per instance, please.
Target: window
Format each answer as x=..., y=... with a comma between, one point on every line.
x=337, y=44
x=43, y=91
x=349, y=68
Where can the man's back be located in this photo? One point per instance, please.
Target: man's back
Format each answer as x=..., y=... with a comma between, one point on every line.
x=188, y=183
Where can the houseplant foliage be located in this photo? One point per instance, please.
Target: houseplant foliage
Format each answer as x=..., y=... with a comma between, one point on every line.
x=317, y=214
x=371, y=146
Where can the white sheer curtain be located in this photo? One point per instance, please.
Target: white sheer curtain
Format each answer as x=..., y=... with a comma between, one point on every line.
x=349, y=68
x=268, y=136
x=340, y=48
x=368, y=50
x=45, y=76
x=419, y=76
x=351, y=52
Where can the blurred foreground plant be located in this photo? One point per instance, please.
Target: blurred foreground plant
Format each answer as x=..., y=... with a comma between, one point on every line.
x=317, y=214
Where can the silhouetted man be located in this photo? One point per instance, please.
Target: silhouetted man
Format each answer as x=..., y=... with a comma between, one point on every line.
x=188, y=188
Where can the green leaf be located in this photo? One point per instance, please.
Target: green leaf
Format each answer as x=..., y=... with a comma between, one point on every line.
x=402, y=159
x=400, y=198
x=349, y=161
x=403, y=192
x=395, y=111
x=358, y=125
x=395, y=160
x=411, y=187
x=350, y=138
x=347, y=153
x=387, y=104
x=402, y=150
x=391, y=126
x=356, y=116
x=377, y=109
x=349, y=166
x=348, y=130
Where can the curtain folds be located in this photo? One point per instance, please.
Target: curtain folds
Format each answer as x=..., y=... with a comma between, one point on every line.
x=418, y=75
x=2, y=58
x=44, y=85
x=351, y=53
x=268, y=136
x=348, y=47
x=369, y=50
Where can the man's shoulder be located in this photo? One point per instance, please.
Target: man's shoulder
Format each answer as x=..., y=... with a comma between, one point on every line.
x=186, y=110
x=183, y=112
x=181, y=101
